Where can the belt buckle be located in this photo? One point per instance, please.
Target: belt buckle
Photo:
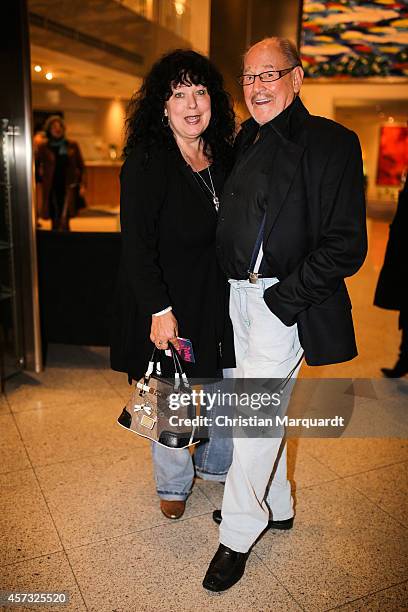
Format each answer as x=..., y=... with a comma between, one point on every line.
x=253, y=277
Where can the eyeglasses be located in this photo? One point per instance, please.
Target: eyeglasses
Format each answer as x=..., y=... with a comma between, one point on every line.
x=265, y=77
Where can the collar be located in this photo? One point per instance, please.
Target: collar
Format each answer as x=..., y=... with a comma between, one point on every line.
x=284, y=123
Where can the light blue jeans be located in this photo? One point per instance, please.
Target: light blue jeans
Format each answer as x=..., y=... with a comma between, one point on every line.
x=257, y=486
x=174, y=470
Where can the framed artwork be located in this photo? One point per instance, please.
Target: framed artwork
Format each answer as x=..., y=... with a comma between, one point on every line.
x=348, y=39
x=393, y=155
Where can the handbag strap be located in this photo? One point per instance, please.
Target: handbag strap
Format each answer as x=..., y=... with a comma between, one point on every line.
x=178, y=369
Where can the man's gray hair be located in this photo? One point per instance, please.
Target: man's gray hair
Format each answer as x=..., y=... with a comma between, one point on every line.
x=290, y=51
x=288, y=48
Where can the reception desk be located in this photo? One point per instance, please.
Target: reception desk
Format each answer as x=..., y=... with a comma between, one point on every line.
x=102, y=184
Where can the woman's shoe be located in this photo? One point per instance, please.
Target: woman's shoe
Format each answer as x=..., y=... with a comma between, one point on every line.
x=172, y=509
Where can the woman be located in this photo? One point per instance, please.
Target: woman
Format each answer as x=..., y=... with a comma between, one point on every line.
x=60, y=170
x=180, y=128
x=391, y=292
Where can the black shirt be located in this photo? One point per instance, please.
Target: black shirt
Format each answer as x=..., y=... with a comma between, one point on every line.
x=59, y=177
x=245, y=193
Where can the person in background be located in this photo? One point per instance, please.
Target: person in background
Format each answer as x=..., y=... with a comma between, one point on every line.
x=39, y=139
x=60, y=171
x=178, y=151
x=391, y=292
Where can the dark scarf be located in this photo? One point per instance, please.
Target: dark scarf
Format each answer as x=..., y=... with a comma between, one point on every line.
x=60, y=145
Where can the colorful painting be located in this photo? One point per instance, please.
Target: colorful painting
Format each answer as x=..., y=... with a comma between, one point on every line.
x=393, y=155
x=353, y=39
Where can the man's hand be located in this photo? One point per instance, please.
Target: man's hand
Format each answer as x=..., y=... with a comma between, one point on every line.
x=164, y=329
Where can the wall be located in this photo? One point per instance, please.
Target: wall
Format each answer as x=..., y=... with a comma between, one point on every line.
x=94, y=122
x=236, y=24
x=368, y=127
x=331, y=101
x=200, y=25
x=110, y=121
x=321, y=99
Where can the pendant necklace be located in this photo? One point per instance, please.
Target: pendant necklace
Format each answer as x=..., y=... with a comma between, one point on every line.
x=196, y=173
x=210, y=189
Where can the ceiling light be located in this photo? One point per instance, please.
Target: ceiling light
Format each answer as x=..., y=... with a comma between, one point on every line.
x=49, y=76
x=180, y=8
x=37, y=68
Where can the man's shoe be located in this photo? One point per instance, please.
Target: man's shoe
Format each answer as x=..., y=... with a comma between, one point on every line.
x=225, y=569
x=286, y=524
x=172, y=509
x=399, y=370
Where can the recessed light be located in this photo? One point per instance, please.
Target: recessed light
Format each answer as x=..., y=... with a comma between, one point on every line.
x=37, y=68
x=49, y=76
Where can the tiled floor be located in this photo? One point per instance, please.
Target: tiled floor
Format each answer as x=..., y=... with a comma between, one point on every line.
x=79, y=512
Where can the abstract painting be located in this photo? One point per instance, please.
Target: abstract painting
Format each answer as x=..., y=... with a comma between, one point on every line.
x=353, y=39
x=393, y=155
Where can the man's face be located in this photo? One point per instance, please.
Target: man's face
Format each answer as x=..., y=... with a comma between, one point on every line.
x=267, y=100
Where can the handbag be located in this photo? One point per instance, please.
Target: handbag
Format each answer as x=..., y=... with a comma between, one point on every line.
x=150, y=411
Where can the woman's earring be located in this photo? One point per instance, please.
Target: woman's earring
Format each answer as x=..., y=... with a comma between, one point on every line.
x=165, y=121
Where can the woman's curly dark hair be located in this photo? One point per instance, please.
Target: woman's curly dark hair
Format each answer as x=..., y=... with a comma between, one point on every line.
x=144, y=123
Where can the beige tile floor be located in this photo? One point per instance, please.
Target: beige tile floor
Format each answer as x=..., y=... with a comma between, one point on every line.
x=79, y=512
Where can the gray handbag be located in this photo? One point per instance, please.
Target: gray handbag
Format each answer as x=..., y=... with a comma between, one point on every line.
x=150, y=410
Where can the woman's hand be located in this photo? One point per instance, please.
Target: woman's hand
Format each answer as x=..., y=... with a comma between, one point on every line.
x=164, y=329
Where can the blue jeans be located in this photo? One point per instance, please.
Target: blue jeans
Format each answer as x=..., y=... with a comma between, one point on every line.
x=174, y=469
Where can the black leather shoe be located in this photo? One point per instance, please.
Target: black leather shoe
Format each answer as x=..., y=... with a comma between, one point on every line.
x=225, y=569
x=286, y=524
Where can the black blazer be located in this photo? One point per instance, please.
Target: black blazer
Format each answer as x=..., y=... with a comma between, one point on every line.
x=169, y=259
x=391, y=291
x=315, y=232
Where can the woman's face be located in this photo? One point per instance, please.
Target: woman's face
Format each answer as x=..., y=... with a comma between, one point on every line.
x=57, y=129
x=188, y=110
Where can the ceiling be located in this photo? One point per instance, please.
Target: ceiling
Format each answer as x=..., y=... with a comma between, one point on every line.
x=82, y=77
x=97, y=48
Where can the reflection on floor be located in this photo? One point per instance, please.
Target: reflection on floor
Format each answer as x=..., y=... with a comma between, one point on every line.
x=80, y=514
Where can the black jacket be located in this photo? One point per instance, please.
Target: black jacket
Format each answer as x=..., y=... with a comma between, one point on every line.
x=169, y=259
x=391, y=291
x=315, y=232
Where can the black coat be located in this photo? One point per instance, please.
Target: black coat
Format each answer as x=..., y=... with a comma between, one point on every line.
x=315, y=231
x=168, y=259
x=391, y=291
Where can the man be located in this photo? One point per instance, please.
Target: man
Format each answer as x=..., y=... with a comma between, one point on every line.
x=297, y=190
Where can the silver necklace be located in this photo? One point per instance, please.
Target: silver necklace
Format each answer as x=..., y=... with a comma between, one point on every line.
x=210, y=189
